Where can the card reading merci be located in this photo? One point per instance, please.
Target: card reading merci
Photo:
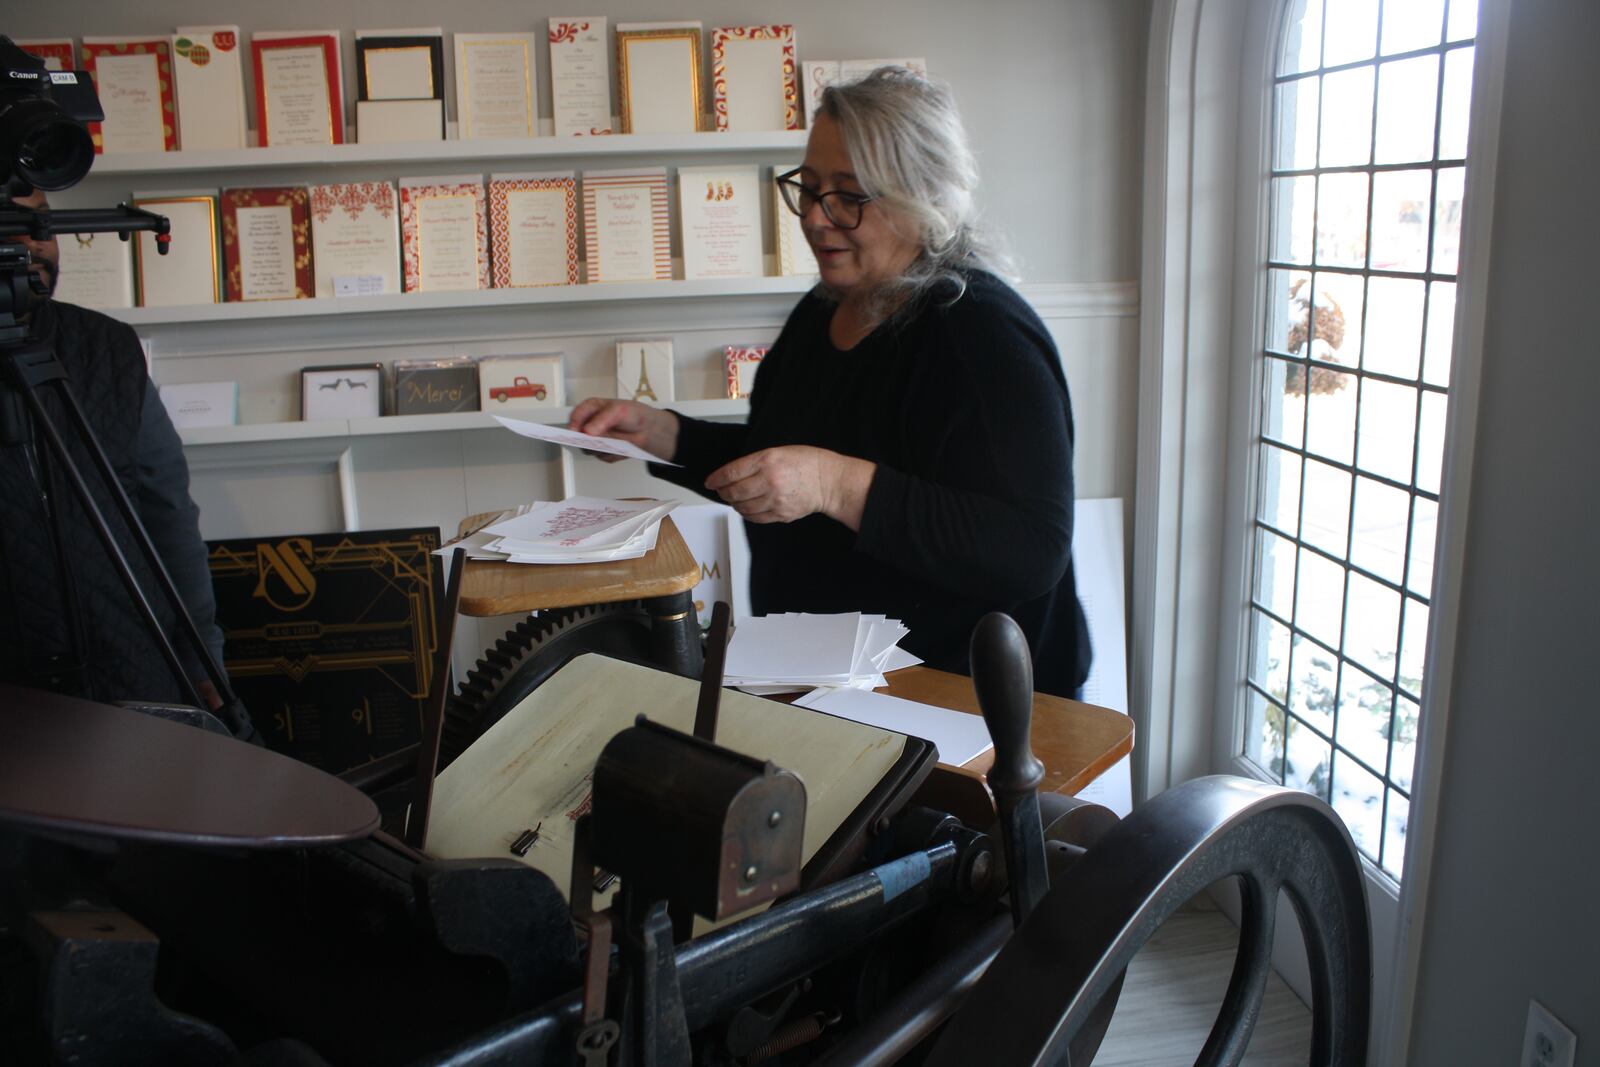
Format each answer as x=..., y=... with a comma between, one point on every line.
x=560, y=435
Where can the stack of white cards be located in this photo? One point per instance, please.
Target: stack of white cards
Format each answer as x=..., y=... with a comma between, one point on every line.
x=579, y=529
x=782, y=653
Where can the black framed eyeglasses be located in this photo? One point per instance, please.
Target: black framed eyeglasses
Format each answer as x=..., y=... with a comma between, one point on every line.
x=842, y=208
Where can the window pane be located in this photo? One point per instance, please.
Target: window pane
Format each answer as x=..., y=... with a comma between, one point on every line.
x=1297, y=125
x=1394, y=834
x=1371, y=625
x=1457, y=104
x=1283, y=409
x=1463, y=20
x=1411, y=24
x=1331, y=415
x=1342, y=220
x=1336, y=320
x=1346, y=118
x=1401, y=205
x=1406, y=93
x=1294, y=203
x=1365, y=708
x=1403, y=757
x=1413, y=646
x=1388, y=422
x=1312, y=673
x=1319, y=598
x=1447, y=221
x=1275, y=574
x=1424, y=530
x=1441, y=332
x=1352, y=32
x=1394, y=326
x=1269, y=655
x=1302, y=37
x=1263, y=734
x=1280, y=490
x=1378, y=533
x=1430, y=442
x=1308, y=758
x=1325, y=517
x=1288, y=310
x=1358, y=798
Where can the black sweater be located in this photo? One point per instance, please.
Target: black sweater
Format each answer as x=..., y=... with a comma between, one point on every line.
x=964, y=409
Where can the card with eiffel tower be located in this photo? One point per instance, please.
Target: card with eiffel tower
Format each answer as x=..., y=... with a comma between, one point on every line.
x=644, y=370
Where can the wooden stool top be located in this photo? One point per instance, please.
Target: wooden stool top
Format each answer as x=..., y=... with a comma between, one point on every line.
x=494, y=587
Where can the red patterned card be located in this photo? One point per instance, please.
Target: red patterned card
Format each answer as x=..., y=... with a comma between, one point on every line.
x=741, y=362
x=533, y=229
x=134, y=82
x=755, y=81
x=281, y=76
x=55, y=51
x=627, y=234
x=444, y=233
x=266, y=244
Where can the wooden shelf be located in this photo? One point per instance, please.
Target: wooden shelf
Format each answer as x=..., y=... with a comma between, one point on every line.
x=548, y=296
x=332, y=429
x=455, y=154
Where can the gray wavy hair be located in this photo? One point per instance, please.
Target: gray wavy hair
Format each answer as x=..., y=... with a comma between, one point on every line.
x=910, y=151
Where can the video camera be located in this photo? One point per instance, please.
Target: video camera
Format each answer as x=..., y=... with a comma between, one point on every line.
x=44, y=143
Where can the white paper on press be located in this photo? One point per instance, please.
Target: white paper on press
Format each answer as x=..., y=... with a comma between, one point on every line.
x=560, y=435
x=580, y=520
x=959, y=737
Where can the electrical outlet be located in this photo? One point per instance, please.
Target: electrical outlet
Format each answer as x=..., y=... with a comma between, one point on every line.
x=1547, y=1043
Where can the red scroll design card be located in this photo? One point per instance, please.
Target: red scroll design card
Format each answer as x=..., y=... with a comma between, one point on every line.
x=266, y=244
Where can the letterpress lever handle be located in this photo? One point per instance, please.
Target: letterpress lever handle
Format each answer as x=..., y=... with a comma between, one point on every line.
x=1002, y=674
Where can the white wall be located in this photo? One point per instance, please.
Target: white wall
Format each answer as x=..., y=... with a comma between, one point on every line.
x=1511, y=909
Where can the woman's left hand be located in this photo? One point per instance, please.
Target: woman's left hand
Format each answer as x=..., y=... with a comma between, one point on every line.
x=792, y=481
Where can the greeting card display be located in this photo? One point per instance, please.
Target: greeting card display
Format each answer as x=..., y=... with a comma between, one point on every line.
x=495, y=78
x=741, y=362
x=794, y=255
x=719, y=209
x=355, y=238
x=192, y=405
x=298, y=80
x=346, y=391
x=627, y=233
x=96, y=271
x=208, y=68
x=189, y=273
x=580, y=83
x=644, y=370
x=430, y=386
x=821, y=73
x=755, y=83
x=444, y=233
x=399, y=85
x=266, y=244
x=533, y=229
x=134, y=81
x=658, y=70
x=55, y=51
x=506, y=383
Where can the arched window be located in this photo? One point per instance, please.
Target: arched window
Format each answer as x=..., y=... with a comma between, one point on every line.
x=1369, y=141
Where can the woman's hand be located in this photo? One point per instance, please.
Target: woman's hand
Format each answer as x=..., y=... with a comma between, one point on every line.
x=653, y=429
x=792, y=481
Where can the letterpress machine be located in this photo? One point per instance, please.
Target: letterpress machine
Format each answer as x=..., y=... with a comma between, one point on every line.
x=173, y=896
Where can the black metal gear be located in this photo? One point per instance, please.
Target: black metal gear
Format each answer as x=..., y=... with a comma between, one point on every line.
x=530, y=652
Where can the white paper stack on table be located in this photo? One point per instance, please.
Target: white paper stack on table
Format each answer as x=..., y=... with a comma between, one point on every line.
x=790, y=651
x=579, y=529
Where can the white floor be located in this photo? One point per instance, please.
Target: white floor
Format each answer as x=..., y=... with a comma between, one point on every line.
x=1171, y=996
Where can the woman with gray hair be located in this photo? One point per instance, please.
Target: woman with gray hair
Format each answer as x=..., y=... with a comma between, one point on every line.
x=909, y=446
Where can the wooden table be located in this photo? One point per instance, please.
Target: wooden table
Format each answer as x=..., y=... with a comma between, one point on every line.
x=1076, y=742
x=661, y=580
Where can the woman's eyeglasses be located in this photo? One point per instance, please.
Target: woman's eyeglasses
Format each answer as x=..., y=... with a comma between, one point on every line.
x=842, y=208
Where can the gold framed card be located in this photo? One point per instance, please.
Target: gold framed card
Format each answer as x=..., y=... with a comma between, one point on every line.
x=659, y=72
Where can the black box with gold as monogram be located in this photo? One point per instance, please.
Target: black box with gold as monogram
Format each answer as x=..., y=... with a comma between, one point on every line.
x=426, y=386
x=331, y=638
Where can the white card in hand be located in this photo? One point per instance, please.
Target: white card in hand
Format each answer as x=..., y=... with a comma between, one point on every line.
x=560, y=435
